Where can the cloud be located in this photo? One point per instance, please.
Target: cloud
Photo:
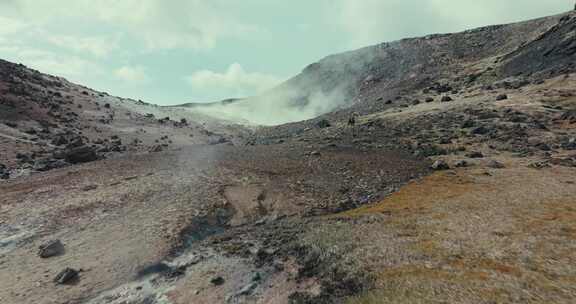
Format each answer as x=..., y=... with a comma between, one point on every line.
x=96, y=46
x=132, y=74
x=158, y=24
x=234, y=79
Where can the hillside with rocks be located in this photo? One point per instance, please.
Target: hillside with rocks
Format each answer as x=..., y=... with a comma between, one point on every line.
x=454, y=184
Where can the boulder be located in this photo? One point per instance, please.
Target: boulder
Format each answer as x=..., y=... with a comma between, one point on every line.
x=50, y=249
x=82, y=154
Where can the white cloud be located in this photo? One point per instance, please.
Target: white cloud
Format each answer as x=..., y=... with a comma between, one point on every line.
x=234, y=79
x=96, y=46
x=132, y=74
x=158, y=24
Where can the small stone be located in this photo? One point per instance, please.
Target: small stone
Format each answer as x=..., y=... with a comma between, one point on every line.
x=429, y=99
x=66, y=276
x=446, y=99
x=315, y=153
x=501, y=97
x=475, y=154
x=461, y=164
x=50, y=249
x=246, y=290
x=495, y=164
x=440, y=165
x=217, y=281
x=480, y=130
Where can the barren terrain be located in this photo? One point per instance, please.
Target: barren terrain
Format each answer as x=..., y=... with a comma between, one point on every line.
x=456, y=184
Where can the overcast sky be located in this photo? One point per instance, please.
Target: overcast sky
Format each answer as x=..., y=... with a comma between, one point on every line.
x=175, y=51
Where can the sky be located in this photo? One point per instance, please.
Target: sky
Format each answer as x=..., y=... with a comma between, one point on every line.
x=177, y=51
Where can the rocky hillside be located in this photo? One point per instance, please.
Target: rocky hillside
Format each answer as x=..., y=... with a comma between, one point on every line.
x=520, y=53
x=47, y=122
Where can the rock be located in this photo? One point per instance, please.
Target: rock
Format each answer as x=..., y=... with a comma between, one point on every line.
x=66, y=276
x=501, y=97
x=429, y=99
x=415, y=102
x=82, y=154
x=479, y=130
x=475, y=154
x=495, y=164
x=4, y=172
x=440, y=165
x=315, y=153
x=11, y=124
x=461, y=164
x=324, y=123
x=47, y=164
x=60, y=140
x=539, y=165
x=89, y=188
x=246, y=290
x=446, y=98
x=468, y=124
x=50, y=249
x=543, y=146
x=217, y=281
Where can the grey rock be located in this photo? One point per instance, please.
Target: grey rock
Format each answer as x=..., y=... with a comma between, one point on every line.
x=66, y=276
x=50, y=249
x=461, y=164
x=440, y=165
x=495, y=164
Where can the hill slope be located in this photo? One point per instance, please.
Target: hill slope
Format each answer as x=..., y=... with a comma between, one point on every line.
x=527, y=51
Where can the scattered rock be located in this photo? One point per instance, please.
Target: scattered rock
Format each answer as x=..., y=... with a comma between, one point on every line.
x=50, y=249
x=494, y=164
x=81, y=154
x=539, y=165
x=217, y=281
x=246, y=290
x=66, y=276
x=440, y=165
x=475, y=154
x=479, y=130
x=89, y=188
x=4, y=172
x=461, y=164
